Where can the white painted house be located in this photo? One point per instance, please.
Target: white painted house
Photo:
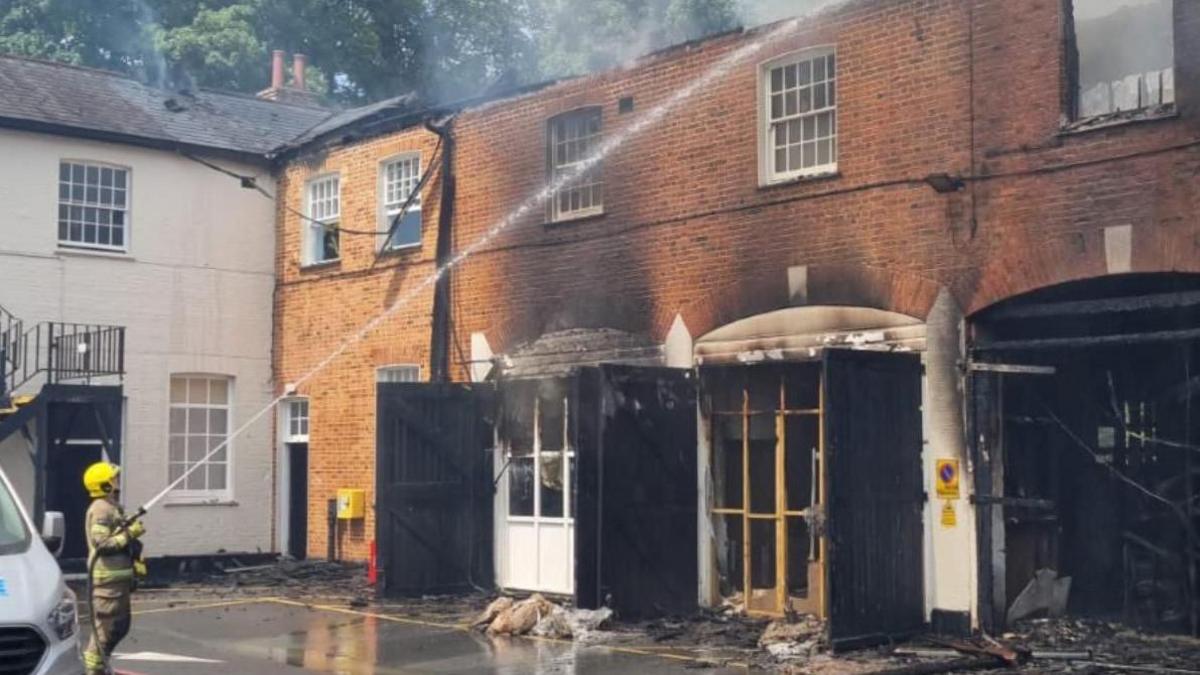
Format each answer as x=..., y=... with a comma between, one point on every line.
x=123, y=209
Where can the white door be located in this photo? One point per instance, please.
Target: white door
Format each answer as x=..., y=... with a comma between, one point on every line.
x=535, y=524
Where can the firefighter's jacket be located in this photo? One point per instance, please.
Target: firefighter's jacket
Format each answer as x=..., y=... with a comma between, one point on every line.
x=108, y=547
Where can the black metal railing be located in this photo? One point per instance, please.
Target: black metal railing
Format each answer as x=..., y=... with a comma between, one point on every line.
x=10, y=328
x=57, y=352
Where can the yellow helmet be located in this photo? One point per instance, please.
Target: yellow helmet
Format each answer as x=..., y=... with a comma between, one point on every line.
x=99, y=477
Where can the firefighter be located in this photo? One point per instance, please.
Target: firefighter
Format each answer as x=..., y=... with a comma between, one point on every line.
x=112, y=554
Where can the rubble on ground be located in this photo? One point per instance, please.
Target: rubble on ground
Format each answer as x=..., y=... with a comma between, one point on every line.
x=538, y=616
x=794, y=638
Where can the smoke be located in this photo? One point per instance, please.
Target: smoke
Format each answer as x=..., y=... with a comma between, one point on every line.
x=758, y=12
x=576, y=37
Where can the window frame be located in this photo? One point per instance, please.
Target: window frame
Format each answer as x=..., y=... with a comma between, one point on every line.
x=391, y=367
x=290, y=417
x=569, y=471
x=207, y=495
x=553, y=213
x=127, y=226
x=767, y=176
x=309, y=227
x=386, y=214
x=1072, y=77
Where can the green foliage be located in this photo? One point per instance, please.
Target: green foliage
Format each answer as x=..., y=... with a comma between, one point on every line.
x=359, y=50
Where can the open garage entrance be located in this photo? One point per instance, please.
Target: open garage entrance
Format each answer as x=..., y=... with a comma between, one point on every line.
x=1086, y=438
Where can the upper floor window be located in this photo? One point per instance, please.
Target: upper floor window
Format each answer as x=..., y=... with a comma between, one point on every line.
x=398, y=373
x=321, y=228
x=399, y=179
x=1123, y=55
x=799, y=95
x=200, y=414
x=573, y=138
x=93, y=205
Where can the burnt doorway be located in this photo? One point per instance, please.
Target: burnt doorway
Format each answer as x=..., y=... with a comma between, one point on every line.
x=1089, y=472
x=875, y=497
x=297, y=500
x=764, y=424
x=434, y=487
x=817, y=501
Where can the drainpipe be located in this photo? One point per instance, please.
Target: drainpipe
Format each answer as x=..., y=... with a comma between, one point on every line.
x=439, y=342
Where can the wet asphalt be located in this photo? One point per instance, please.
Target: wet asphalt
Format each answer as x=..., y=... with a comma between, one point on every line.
x=253, y=637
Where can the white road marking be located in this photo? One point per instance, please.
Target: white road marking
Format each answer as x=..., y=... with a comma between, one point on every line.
x=161, y=658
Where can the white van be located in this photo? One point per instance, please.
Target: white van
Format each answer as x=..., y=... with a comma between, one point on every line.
x=39, y=627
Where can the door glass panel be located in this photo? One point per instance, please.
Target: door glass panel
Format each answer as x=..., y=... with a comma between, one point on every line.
x=763, y=388
x=727, y=461
x=802, y=386
x=762, y=463
x=520, y=486
x=762, y=554
x=799, y=547
x=551, y=484
x=801, y=453
x=730, y=555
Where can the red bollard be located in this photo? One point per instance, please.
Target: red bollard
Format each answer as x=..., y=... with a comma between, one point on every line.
x=372, y=568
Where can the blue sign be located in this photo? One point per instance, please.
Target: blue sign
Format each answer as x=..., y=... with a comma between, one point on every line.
x=947, y=473
x=3, y=588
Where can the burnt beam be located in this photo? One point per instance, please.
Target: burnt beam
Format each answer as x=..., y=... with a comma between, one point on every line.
x=1091, y=340
x=1138, y=303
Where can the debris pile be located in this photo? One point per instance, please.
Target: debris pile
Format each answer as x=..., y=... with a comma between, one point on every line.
x=538, y=616
x=794, y=638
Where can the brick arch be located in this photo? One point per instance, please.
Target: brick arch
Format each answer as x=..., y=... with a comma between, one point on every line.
x=851, y=285
x=1078, y=257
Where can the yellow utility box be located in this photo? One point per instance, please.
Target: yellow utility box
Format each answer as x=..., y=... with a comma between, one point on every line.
x=351, y=504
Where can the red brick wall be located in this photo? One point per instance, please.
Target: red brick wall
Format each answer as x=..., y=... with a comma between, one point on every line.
x=688, y=230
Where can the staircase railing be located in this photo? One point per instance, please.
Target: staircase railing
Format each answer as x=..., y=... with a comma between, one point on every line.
x=10, y=328
x=59, y=352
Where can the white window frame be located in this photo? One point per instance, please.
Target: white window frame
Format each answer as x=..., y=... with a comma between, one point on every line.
x=84, y=204
x=382, y=373
x=556, y=170
x=766, y=137
x=389, y=208
x=183, y=494
x=568, y=454
x=314, y=224
x=296, y=428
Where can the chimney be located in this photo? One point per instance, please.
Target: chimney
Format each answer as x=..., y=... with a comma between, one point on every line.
x=277, y=69
x=297, y=92
x=299, y=61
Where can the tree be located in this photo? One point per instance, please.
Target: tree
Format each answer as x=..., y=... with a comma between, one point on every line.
x=363, y=50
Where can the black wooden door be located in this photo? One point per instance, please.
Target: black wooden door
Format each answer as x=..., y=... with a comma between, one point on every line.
x=636, y=518
x=434, y=487
x=298, y=500
x=875, y=572
x=65, y=493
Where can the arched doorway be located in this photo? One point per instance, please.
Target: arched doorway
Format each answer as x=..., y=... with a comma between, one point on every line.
x=1086, y=436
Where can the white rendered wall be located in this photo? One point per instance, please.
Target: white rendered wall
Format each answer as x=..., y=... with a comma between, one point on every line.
x=950, y=567
x=195, y=294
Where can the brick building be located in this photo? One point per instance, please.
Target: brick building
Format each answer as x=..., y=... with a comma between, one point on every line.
x=864, y=237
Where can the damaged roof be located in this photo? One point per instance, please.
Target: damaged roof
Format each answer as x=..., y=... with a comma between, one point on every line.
x=59, y=98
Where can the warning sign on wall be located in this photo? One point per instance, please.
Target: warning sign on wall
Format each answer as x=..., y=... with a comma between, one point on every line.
x=947, y=478
x=949, y=517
